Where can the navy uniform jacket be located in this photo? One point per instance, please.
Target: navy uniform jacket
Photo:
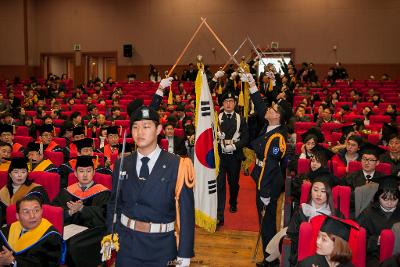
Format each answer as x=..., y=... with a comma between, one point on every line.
x=153, y=202
x=228, y=127
x=269, y=179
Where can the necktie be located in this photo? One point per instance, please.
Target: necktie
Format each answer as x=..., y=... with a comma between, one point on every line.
x=229, y=116
x=83, y=188
x=144, y=170
x=23, y=232
x=368, y=178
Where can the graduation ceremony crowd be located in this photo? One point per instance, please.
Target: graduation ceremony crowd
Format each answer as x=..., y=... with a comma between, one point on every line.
x=327, y=150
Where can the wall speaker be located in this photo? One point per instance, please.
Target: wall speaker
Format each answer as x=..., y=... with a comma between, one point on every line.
x=127, y=50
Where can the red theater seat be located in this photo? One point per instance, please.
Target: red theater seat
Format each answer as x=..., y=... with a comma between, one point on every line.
x=49, y=180
x=387, y=244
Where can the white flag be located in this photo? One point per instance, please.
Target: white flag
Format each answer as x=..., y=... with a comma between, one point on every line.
x=205, y=157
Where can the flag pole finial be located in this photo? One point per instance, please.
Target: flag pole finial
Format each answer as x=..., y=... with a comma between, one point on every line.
x=200, y=64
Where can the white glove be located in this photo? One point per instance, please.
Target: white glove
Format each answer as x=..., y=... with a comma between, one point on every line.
x=221, y=135
x=247, y=78
x=218, y=75
x=183, y=262
x=233, y=75
x=230, y=148
x=265, y=200
x=164, y=83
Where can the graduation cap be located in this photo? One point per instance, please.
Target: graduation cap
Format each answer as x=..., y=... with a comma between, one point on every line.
x=371, y=149
x=346, y=129
x=78, y=130
x=84, y=161
x=145, y=113
x=134, y=105
x=387, y=182
x=18, y=163
x=356, y=138
x=33, y=146
x=128, y=148
x=389, y=131
x=338, y=227
x=324, y=176
x=313, y=132
x=46, y=128
x=326, y=153
x=82, y=143
x=180, y=108
x=6, y=128
x=112, y=130
x=227, y=95
x=345, y=107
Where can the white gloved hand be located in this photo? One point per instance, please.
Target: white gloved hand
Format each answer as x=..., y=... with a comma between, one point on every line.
x=233, y=75
x=182, y=262
x=230, y=148
x=221, y=135
x=218, y=74
x=265, y=200
x=247, y=78
x=166, y=82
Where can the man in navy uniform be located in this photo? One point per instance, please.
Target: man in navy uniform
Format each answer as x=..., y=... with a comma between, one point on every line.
x=270, y=149
x=233, y=135
x=146, y=211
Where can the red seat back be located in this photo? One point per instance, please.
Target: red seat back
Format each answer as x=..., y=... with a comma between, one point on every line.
x=3, y=178
x=56, y=157
x=303, y=166
x=23, y=140
x=384, y=168
x=60, y=141
x=22, y=131
x=51, y=213
x=164, y=144
x=387, y=244
x=49, y=180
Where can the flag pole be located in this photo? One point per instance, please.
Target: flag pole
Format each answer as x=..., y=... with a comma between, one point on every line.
x=234, y=54
x=186, y=47
x=222, y=44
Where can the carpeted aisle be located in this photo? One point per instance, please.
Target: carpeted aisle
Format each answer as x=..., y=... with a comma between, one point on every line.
x=246, y=217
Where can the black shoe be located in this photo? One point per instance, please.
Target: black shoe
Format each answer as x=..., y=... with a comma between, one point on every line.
x=220, y=223
x=233, y=209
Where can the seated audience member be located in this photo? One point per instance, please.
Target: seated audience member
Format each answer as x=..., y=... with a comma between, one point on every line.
x=350, y=153
x=115, y=114
x=31, y=240
x=18, y=185
x=332, y=245
x=84, y=204
x=376, y=100
x=176, y=145
x=5, y=156
x=367, y=112
x=391, y=110
x=110, y=150
x=85, y=148
x=78, y=133
x=310, y=139
x=37, y=161
x=347, y=131
x=128, y=151
x=300, y=114
x=369, y=160
x=344, y=111
x=32, y=128
x=392, y=156
x=7, y=135
x=380, y=215
x=326, y=117
x=320, y=199
x=46, y=137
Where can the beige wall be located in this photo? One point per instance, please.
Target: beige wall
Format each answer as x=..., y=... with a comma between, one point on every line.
x=365, y=31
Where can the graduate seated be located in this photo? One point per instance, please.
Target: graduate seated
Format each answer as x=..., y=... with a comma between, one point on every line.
x=46, y=137
x=78, y=133
x=332, y=245
x=382, y=214
x=350, y=153
x=32, y=240
x=85, y=148
x=18, y=185
x=110, y=150
x=7, y=135
x=5, y=156
x=392, y=156
x=176, y=145
x=84, y=205
x=37, y=161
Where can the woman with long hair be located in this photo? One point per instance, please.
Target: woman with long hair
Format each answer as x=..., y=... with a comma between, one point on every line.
x=18, y=185
x=382, y=214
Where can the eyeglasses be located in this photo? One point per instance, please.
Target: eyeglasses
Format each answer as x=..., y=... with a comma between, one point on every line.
x=369, y=160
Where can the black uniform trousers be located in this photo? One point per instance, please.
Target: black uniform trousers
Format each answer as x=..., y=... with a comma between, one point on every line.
x=268, y=223
x=229, y=168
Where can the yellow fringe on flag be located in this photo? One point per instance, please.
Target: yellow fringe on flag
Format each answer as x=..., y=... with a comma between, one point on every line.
x=241, y=99
x=216, y=154
x=205, y=221
x=245, y=92
x=170, y=96
x=219, y=89
x=197, y=88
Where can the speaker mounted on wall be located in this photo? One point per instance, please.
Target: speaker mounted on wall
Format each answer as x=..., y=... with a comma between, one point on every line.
x=128, y=50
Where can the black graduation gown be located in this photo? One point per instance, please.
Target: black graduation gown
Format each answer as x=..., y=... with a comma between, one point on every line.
x=92, y=216
x=357, y=179
x=374, y=220
x=319, y=261
x=46, y=252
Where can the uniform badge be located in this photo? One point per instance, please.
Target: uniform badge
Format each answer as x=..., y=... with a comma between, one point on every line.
x=145, y=113
x=275, y=150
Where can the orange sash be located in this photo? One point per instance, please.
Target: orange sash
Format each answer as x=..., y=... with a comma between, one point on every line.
x=73, y=150
x=16, y=147
x=108, y=152
x=76, y=191
x=21, y=192
x=51, y=146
